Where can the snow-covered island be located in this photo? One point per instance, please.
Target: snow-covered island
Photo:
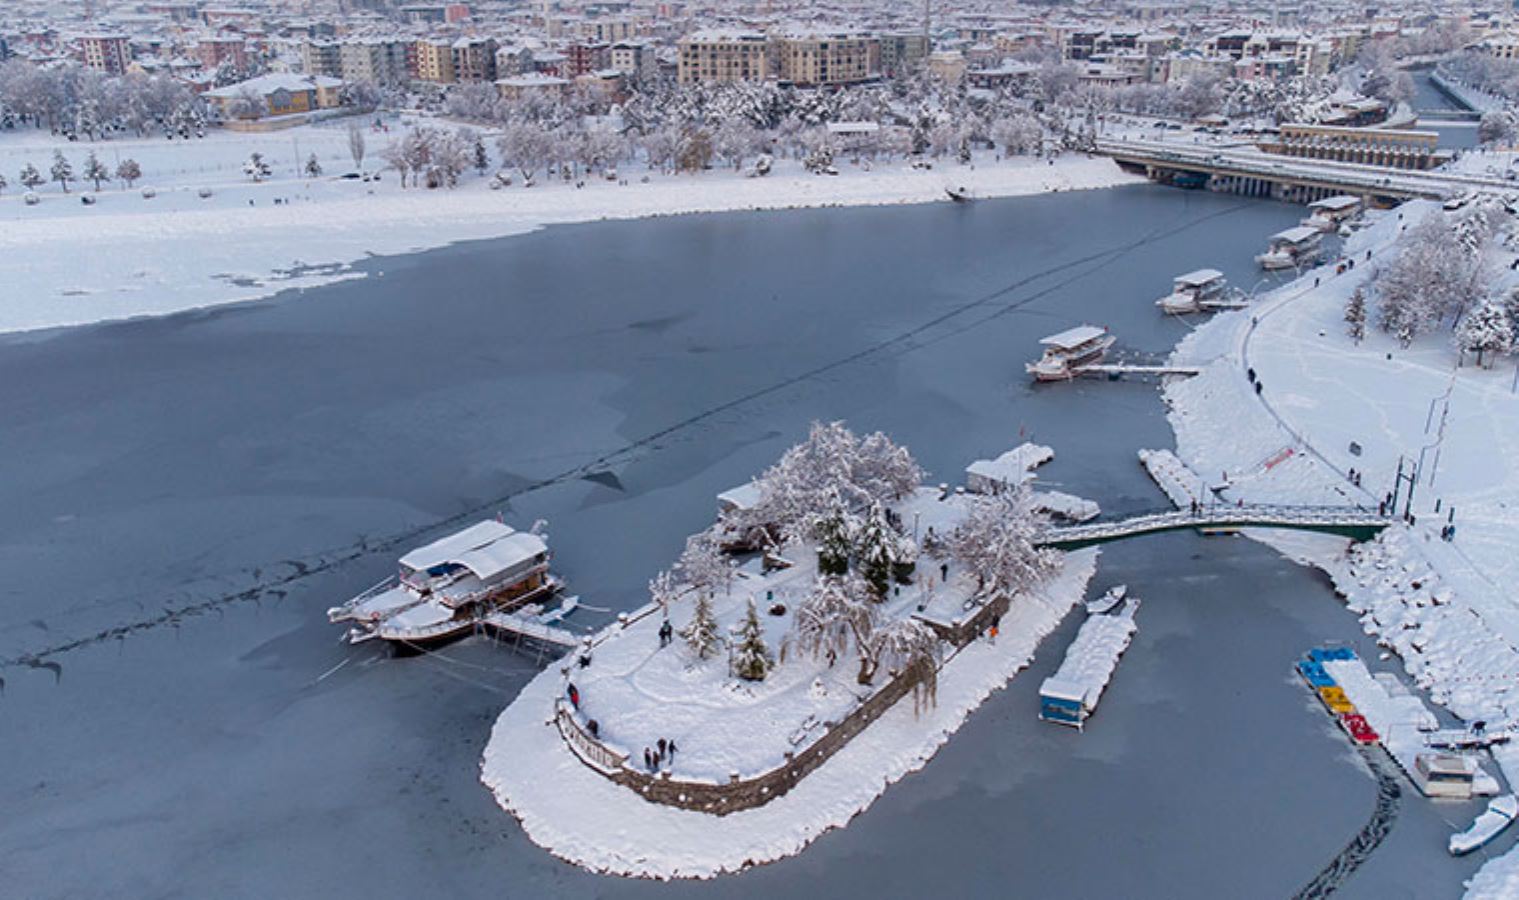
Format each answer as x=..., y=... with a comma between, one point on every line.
x=757, y=701
x=1386, y=379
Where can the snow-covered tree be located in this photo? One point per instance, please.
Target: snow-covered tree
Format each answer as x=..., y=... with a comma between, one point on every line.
x=1497, y=126
x=313, y=167
x=1436, y=275
x=477, y=149
x=910, y=648
x=62, y=172
x=526, y=146
x=95, y=170
x=752, y=660
x=257, y=167
x=832, y=470
x=356, y=144
x=30, y=177
x=837, y=617
x=129, y=171
x=695, y=151
x=703, y=565
x=995, y=542
x=879, y=548
x=1018, y=133
x=701, y=633
x=3, y=183
x=663, y=591
x=1486, y=331
x=450, y=154
x=1355, y=315
x=394, y=155
x=417, y=150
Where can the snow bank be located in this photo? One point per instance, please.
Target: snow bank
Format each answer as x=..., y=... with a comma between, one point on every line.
x=581, y=817
x=180, y=251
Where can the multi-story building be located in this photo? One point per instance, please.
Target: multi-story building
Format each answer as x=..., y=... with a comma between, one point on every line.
x=321, y=58
x=723, y=55
x=610, y=31
x=586, y=57
x=213, y=51
x=110, y=53
x=902, y=51
x=635, y=59
x=435, y=60
x=374, y=60
x=820, y=57
x=474, y=59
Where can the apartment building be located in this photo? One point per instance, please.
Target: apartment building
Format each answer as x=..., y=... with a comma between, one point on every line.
x=723, y=55
x=374, y=60
x=109, y=53
x=635, y=59
x=321, y=58
x=824, y=57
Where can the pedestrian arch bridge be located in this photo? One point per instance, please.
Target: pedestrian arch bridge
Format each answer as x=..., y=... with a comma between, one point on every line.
x=1345, y=521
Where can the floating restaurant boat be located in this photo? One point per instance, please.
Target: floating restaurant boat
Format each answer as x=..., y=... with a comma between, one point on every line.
x=1193, y=292
x=1065, y=353
x=1331, y=212
x=1500, y=813
x=446, y=588
x=1291, y=248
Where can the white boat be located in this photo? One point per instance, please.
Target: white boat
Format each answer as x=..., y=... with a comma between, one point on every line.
x=1101, y=606
x=1190, y=292
x=1291, y=248
x=1500, y=813
x=1065, y=353
x=447, y=587
x=1330, y=213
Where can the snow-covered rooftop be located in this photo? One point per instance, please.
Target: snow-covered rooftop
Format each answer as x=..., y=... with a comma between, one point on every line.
x=1081, y=334
x=1199, y=278
x=485, y=548
x=276, y=81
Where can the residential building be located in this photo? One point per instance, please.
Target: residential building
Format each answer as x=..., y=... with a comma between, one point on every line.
x=585, y=57
x=635, y=59
x=819, y=57
x=474, y=59
x=374, y=60
x=284, y=93
x=723, y=55
x=321, y=58
x=109, y=53
x=902, y=51
x=435, y=60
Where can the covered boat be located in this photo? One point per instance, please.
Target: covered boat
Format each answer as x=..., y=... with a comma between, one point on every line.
x=1065, y=353
x=447, y=587
x=1190, y=292
x=1291, y=248
x=1328, y=214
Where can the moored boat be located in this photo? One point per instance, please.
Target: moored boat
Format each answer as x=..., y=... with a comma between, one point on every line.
x=1190, y=292
x=1328, y=214
x=1065, y=353
x=1291, y=248
x=446, y=588
x=1500, y=813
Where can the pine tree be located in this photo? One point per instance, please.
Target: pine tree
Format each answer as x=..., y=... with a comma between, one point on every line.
x=1355, y=316
x=62, y=172
x=95, y=170
x=30, y=177
x=701, y=633
x=1486, y=331
x=3, y=183
x=313, y=167
x=129, y=171
x=753, y=660
x=482, y=158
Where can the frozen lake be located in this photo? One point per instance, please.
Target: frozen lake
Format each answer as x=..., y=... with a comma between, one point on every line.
x=189, y=734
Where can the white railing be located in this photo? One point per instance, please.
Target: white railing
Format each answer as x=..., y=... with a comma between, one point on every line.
x=1259, y=515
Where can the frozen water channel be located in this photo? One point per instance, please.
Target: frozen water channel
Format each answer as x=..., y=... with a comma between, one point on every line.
x=183, y=497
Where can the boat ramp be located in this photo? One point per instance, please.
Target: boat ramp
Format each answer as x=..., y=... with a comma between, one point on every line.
x=1070, y=695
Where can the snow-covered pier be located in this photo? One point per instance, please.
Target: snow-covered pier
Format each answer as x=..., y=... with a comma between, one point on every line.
x=1070, y=695
x=1184, y=487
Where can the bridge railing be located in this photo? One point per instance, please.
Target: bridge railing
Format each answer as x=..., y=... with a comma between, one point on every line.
x=1261, y=514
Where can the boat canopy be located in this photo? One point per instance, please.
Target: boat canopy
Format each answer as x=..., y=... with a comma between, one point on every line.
x=1063, y=689
x=1072, y=338
x=1199, y=278
x=1297, y=235
x=487, y=549
x=1337, y=203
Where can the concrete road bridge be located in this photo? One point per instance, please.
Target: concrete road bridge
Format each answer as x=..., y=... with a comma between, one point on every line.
x=1246, y=170
x=1345, y=521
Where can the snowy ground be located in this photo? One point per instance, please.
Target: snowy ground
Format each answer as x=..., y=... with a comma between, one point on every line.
x=582, y=817
x=128, y=256
x=1442, y=606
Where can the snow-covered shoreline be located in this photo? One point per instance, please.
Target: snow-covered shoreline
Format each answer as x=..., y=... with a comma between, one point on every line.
x=583, y=818
x=126, y=256
x=1327, y=405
